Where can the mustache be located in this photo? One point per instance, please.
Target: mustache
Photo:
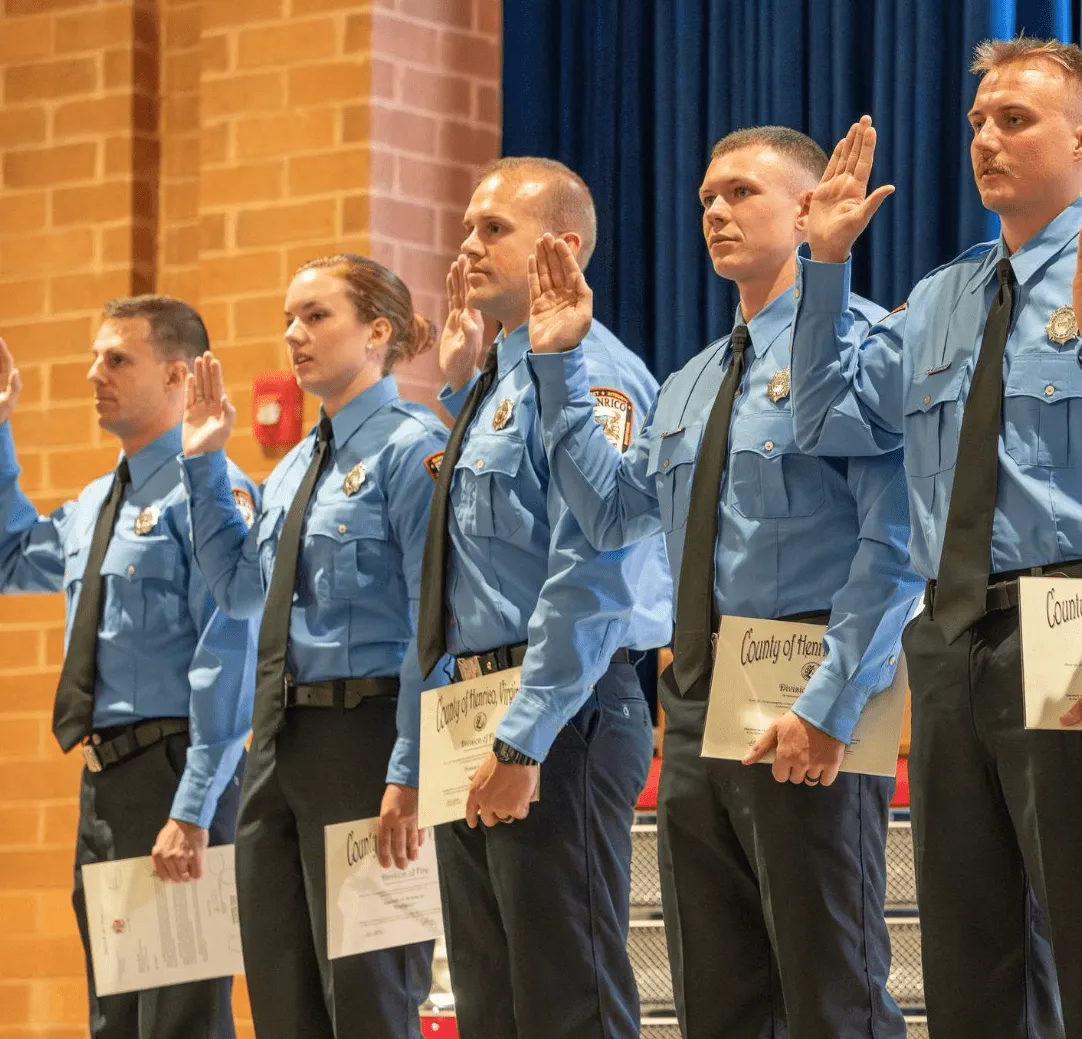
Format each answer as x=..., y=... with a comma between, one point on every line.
x=991, y=166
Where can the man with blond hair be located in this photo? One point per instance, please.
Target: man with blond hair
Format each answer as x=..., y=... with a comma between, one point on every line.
x=979, y=376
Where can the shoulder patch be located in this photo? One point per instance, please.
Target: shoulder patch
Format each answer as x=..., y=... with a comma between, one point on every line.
x=614, y=413
x=432, y=464
x=245, y=505
x=898, y=310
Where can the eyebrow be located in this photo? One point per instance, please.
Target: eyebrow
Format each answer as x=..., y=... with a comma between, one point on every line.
x=306, y=305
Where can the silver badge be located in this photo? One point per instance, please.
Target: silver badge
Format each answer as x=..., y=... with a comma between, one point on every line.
x=1062, y=326
x=778, y=387
x=146, y=520
x=354, y=478
x=503, y=413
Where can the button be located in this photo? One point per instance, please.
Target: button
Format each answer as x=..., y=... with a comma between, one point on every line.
x=342, y=528
x=796, y=295
x=769, y=445
x=480, y=463
x=1049, y=390
x=891, y=660
x=927, y=400
x=131, y=571
x=665, y=464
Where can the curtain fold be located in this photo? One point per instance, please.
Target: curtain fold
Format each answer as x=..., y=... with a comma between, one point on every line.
x=634, y=93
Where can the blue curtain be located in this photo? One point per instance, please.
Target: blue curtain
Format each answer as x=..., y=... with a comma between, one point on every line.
x=634, y=93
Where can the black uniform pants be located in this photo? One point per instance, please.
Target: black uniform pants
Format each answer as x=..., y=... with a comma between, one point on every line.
x=327, y=765
x=537, y=911
x=121, y=811
x=997, y=816
x=773, y=894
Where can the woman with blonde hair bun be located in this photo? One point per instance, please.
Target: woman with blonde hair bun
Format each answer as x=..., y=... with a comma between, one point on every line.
x=333, y=558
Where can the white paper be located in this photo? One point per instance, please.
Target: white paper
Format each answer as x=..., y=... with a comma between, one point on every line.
x=369, y=907
x=761, y=669
x=458, y=724
x=1050, y=621
x=145, y=933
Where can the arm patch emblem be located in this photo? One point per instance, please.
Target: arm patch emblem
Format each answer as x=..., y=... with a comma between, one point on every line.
x=614, y=413
x=245, y=505
x=432, y=464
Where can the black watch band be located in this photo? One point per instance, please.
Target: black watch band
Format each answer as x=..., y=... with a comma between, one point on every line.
x=508, y=755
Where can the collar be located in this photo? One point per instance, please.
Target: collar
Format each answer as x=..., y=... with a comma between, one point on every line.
x=772, y=321
x=1037, y=253
x=361, y=408
x=148, y=460
x=511, y=349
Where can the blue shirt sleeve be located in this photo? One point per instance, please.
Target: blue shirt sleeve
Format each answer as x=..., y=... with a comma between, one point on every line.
x=222, y=678
x=409, y=497
x=225, y=549
x=31, y=546
x=863, y=639
x=583, y=612
x=846, y=388
x=609, y=493
x=453, y=400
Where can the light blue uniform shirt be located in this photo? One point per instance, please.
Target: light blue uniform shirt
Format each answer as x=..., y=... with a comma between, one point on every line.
x=521, y=569
x=795, y=534
x=359, y=571
x=908, y=380
x=164, y=651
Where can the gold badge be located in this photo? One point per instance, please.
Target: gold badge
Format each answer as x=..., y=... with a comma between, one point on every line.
x=354, y=478
x=146, y=520
x=778, y=387
x=469, y=668
x=432, y=464
x=613, y=412
x=245, y=505
x=503, y=413
x=1062, y=326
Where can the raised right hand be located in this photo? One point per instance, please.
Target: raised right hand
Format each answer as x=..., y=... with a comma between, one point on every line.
x=10, y=382
x=840, y=206
x=460, y=343
x=208, y=414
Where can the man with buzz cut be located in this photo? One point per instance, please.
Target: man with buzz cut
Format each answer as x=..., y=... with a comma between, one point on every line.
x=773, y=878
x=156, y=687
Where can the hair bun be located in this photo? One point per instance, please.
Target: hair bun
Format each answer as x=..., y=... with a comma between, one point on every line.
x=423, y=336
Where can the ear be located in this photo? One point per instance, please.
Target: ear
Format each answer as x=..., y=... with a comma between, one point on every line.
x=176, y=377
x=381, y=332
x=1078, y=144
x=804, y=201
x=574, y=242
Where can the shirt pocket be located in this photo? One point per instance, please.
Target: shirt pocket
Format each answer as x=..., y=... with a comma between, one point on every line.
x=671, y=462
x=343, y=541
x=266, y=538
x=75, y=557
x=1042, y=410
x=487, y=501
x=144, y=585
x=769, y=477
x=932, y=422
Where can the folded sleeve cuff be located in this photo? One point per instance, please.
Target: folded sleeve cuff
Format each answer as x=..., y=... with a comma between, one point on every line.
x=8, y=463
x=404, y=768
x=823, y=287
x=453, y=400
x=529, y=726
x=561, y=378
x=830, y=704
x=200, y=472
x=194, y=801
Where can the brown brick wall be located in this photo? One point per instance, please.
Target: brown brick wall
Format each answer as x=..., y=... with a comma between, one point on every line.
x=203, y=148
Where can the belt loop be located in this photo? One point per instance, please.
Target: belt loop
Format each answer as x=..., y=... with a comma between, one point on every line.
x=287, y=686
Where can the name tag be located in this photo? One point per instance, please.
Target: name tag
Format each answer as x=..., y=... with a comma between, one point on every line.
x=1050, y=622
x=762, y=667
x=369, y=907
x=458, y=725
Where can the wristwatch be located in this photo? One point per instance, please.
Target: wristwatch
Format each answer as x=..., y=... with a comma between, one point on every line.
x=508, y=755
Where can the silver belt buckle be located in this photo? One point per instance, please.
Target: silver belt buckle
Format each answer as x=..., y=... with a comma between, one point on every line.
x=469, y=668
x=90, y=756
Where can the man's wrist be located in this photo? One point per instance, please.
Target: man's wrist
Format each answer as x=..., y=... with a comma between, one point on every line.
x=508, y=755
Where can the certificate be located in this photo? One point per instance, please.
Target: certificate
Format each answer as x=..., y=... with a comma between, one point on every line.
x=761, y=669
x=369, y=907
x=1050, y=623
x=458, y=724
x=145, y=933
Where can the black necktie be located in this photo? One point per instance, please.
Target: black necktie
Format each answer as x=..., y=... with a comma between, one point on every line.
x=431, y=633
x=962, y=584
x=269, y=710
x=695, y=600
x=73, y=711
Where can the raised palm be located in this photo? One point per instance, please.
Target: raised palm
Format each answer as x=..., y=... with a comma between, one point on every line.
x=840, y=206
x=208, y=413
x=10, y=382
x=561, y=303
x=460, y=342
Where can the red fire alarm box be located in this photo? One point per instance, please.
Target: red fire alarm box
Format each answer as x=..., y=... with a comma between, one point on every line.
x=277, y=409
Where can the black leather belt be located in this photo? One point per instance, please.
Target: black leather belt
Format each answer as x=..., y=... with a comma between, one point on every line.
x=478, y=664
x=348, y=692
x=1003, y=588
x=109, y=747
